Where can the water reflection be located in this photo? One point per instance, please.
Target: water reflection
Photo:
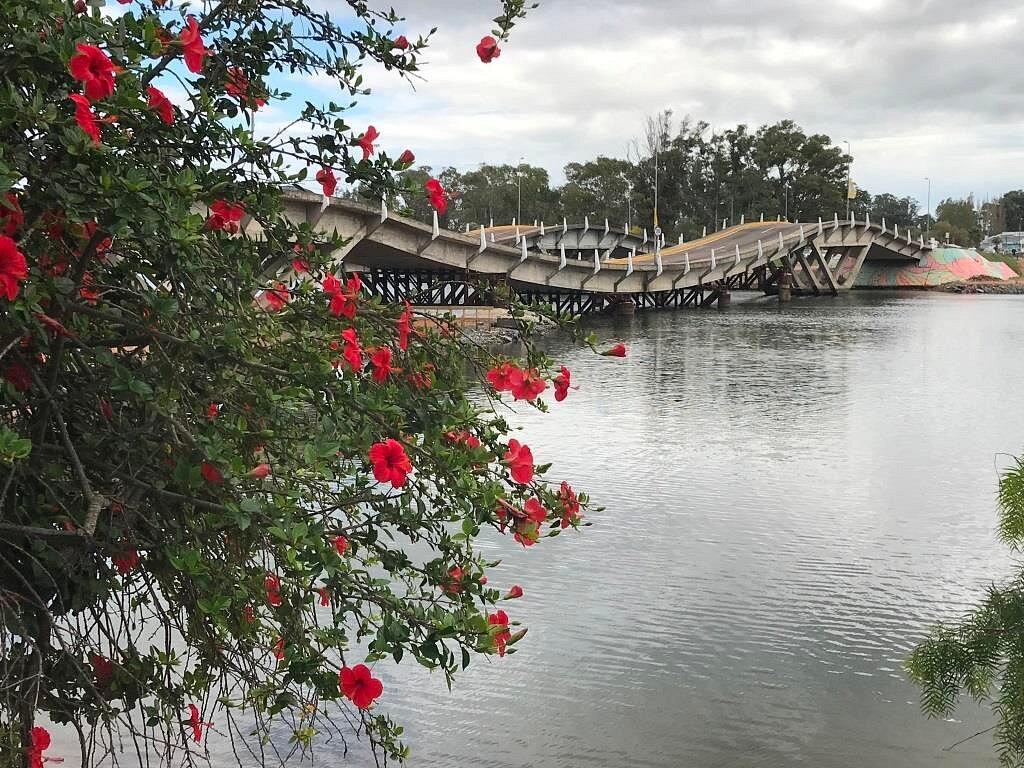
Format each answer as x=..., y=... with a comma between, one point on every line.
x=793, y=496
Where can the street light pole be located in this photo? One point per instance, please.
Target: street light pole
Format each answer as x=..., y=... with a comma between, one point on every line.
x=928, y=212
x=519, y=196
x=849, y=163
x=785, y=191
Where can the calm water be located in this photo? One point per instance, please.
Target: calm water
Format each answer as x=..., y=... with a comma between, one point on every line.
x=793, y=496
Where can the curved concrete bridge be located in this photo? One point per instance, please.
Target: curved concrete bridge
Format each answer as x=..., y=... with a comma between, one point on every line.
x=823, y=257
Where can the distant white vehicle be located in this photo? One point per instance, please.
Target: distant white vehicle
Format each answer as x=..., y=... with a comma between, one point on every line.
x=1004, y=242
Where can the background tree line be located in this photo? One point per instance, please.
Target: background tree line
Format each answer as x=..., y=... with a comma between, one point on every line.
x=705, y=177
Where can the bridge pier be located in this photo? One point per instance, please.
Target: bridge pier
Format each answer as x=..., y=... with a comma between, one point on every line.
x=623, y=306
x=724, y=299
x=785, y=286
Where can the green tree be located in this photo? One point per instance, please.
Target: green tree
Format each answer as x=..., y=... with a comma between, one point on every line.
x=896, y=211
x=223, y=487
x=958, y=218
x=982, y=656
x=1013, y=210
x=600, y=188
x=492, y=192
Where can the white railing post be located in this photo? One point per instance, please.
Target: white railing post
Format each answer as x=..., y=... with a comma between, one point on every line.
x=435, y=231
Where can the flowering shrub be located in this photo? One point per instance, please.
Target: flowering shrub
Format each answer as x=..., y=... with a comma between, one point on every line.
x=214, y=449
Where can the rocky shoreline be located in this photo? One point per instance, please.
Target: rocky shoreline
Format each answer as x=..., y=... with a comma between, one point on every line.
x=993, y=287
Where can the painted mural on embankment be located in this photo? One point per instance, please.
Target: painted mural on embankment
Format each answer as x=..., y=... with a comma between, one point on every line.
x=938, y=267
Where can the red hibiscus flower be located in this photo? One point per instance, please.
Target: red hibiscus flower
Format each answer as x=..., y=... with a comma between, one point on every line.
x=570, y=505
x=562, y=383
x=299, y=263
x=126, y=561
x=487, y=49
x=437, y=195
x=279, y=649
x=343, y=303
x=465, y=438
x=325, y=177
x=390, y=462
x=359, y=685
x=500, y=377
x=527, y=529
x=161, y=104
x=272, y=585
x=102, y=669
x=403, y=327
x=340, y=545
x=535, y=511
x=501, y=638
x=225, y=215
x=366, y=142
x=353, y=351
x=400, y=43
x=89, y=232
x=210, y=473
x=212, y=411
x=95, y=69
x=454, y=584
x=18, y=375
x=526, y=385
x=238, y=86
x=277, y=298
x=193, y=45
x=421, y=379
x=406, y=159
x=85, y=117
x=515, y=592
x=519, y=457
x=325, y=596
x=195, y=721
x=260, y=471
x=331, y=285
x=13, y=268
x=381, y=362
x=11, y=215
x=39, y=740
x=619, y=350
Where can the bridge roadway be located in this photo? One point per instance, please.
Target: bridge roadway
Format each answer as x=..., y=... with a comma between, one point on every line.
x=823, y=256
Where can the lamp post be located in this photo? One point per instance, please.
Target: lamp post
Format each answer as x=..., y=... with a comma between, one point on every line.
x=928, y=212
x=849, y=163
x=519, y=195
x=785, y=192
x=629, y=208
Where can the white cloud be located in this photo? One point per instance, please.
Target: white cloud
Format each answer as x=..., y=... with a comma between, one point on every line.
x=919, y=87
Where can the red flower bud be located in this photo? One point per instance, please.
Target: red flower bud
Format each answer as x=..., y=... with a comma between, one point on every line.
x=260, y=471
x=619, y=350
x=515, y=592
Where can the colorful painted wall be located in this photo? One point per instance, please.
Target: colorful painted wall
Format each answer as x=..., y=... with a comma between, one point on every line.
x=940, y=266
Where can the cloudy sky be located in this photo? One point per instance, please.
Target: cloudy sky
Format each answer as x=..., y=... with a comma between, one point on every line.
x=919, y=87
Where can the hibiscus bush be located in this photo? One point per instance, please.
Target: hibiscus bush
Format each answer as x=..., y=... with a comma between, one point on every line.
x=231, y=486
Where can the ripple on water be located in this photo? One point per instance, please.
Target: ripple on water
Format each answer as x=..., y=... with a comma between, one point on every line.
x=793, y=496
